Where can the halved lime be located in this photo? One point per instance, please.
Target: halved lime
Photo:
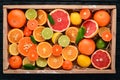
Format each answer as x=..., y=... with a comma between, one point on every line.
x=13, y=49
x=47, y=33
x=56, y=36
x=64, y=41
x=31, y=14
x=27, y=61
x=41, y=62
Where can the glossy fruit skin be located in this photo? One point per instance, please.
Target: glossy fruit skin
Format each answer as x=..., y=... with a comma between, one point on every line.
x=16, y=18
x=86, y=46
x=67, y=65
x=102, y=17
x=100, y=44
x=27, y=32
x=15, y=62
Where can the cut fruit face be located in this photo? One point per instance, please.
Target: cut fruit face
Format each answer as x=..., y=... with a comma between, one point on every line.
x=32, y=24
x=56, y=36
x=55, y=62
x=31, y=14
x=41, y=62
x=14, y=35
x=37, y=34
x=101, y=59
x=13, y=49
x=44, y=49
x=47, y=33
x=91, y=28
x=64, y=41
x=102, y=29
x=70, y=53
x=61, y=20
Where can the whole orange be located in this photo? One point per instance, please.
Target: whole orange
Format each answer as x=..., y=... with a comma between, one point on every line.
x=15, y=62
x=86, y=46
x=102, y=17
x=16, y=18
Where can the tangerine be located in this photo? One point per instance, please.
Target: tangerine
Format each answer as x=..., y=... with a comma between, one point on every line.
x=57, y=50
x=86, y=46
x=16, y=18
x=67, y=65
x=106, y=36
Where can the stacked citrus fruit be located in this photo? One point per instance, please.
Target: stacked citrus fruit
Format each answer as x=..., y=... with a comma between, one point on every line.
x=59, y=39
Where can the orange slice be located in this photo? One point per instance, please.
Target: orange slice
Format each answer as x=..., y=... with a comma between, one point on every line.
x=70, y=53
x=32, y=24
x=44, y=49
x=102, y=29
x=37, y=33
x=71, y=32
x=14, y=35
x=106, y=36
x=42, y=17
x=55, y=62
x=25, y=45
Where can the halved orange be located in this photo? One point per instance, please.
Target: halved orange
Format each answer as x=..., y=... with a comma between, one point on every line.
x=37, y=33
x=14, y=35
x=25, y=45
x=55, y=62
x=42, y=17
x=44, y=49
x=32, y=24
x=72, y=32
x=70, y=53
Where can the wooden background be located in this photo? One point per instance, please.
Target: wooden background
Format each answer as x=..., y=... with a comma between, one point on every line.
x=63, y=76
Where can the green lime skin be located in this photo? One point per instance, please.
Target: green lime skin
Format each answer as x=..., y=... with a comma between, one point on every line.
x=100, y=44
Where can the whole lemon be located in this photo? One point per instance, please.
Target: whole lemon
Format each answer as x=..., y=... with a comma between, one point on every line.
x=75, y=18
x=83, y=61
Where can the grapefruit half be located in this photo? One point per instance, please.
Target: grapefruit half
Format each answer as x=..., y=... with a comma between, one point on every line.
x=61, y=20
x=91, y=27
x=101, y=59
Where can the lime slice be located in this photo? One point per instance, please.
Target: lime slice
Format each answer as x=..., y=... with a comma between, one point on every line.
x=55, y=37
x=13, y=49
x=64, y=41
x=47, y=33
x=41, y=62
x=27, y=61
x=31, y=14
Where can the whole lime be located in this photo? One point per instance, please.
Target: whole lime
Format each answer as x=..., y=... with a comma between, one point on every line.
x=100, y=44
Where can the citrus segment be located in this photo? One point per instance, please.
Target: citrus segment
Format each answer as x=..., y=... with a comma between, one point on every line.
x=83, y=61
x=101, y=59
x=27, y=61
x=41, y=62
x=57, y=50
x=75, y=18
x=86, y=46
x=102, y=29
x=16, y=18
x=91, y=27
x=31, y=14
x=44, y=49
x=25, y=45
x=14, y=35
x=102, y=17
x=63, y=40
x=71, y=32
x=55, y=37
x=61, y=20
x=70, y=53
x=55, y=62
x=32, y=24
x=47, y=33
x=13, y=49
x=37, y=34
x=41, y=17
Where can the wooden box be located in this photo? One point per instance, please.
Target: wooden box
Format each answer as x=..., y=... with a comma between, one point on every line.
x=7, y=70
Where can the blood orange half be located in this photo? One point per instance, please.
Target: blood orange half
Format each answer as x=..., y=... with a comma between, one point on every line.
x=61, y=20
x=101, y=59
x=91, y=27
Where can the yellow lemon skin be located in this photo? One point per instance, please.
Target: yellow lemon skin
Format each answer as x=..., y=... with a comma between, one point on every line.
x=75, y=18
x=83, y=61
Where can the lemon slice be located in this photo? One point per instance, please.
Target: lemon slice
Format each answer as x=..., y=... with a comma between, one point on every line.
x=27, y=61
x=13, y=49
x=55, y=37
